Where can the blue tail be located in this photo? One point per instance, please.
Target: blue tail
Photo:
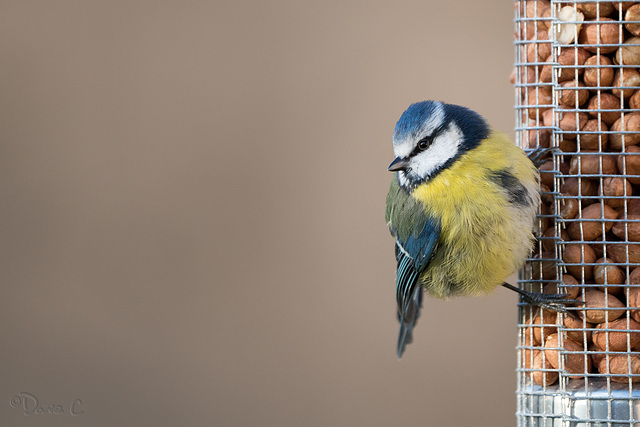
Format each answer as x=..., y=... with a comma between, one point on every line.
x=409, y=319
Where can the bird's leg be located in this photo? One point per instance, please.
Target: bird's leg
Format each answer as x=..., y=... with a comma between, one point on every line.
x=536, y=156
x=555, y=302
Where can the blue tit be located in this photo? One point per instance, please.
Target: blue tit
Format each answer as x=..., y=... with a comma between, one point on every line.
x=461, y=207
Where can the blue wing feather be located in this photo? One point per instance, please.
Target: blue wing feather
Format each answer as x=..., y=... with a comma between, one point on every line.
x=413, y=256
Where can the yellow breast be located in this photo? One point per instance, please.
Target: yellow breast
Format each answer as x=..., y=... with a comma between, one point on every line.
x=484, y=237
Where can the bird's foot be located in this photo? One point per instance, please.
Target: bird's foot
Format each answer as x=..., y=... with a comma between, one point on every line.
x=555, y=302
x=538, y=155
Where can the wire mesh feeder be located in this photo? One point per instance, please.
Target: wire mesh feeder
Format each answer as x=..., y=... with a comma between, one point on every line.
x=577, y=85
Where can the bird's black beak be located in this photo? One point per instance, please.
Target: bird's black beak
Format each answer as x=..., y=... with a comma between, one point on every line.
x=398, y=164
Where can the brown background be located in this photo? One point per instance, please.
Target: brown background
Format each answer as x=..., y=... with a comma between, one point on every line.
x=192, y=213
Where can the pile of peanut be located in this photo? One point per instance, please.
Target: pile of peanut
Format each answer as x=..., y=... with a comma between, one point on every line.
x=596, y=217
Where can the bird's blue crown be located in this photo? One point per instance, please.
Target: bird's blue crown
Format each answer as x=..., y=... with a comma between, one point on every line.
x=438, y=115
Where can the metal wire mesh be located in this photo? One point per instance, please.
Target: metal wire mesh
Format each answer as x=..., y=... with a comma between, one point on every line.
x=577, y=86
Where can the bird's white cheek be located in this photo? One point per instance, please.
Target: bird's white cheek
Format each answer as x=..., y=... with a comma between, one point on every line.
x=443, y=149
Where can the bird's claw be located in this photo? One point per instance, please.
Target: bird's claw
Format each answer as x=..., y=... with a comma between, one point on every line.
x=537, y=155
x=555, y=302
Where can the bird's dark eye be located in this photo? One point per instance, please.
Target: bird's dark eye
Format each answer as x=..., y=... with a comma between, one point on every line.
x=424, y=143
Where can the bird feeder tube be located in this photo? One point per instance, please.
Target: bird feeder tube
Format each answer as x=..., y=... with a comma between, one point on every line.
x=577, y=90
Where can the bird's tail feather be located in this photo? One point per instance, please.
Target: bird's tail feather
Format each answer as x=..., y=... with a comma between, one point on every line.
x=409, y=319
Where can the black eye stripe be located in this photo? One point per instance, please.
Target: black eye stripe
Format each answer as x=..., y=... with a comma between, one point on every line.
x=439, y=130
x=422, y=145
x=426, y=142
